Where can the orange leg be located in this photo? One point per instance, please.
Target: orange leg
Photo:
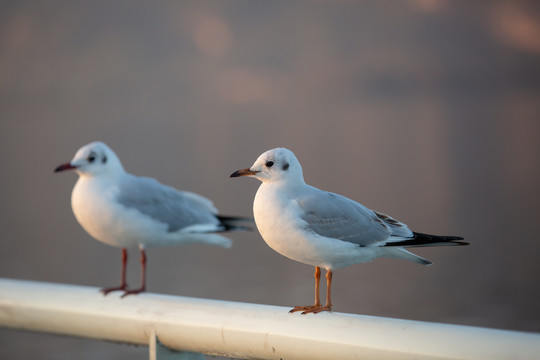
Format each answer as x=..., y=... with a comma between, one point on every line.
x=143, y=277
x=328, y=306
x=317, y=286
x=123, y=285
x=317, y=296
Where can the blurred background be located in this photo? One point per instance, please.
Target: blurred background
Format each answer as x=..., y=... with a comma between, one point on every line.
x=427, y=110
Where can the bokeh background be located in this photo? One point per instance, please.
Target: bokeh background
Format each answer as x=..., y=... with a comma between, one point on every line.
x=428, y=110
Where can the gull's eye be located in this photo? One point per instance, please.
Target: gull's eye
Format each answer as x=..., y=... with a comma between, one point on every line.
x=91, y=157
x=269, y=164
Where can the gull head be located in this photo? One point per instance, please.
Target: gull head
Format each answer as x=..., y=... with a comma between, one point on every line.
x=93, y=159
x=274, y=165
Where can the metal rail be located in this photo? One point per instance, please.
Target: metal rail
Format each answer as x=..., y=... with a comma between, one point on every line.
x=244, y=330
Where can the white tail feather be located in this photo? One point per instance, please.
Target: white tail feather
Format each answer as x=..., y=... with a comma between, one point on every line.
x=400, y=253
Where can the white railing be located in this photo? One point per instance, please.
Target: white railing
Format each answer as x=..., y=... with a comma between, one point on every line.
x=244, y=330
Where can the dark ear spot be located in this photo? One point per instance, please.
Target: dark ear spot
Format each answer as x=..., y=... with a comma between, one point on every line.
x=104, y=160
x=285, y=166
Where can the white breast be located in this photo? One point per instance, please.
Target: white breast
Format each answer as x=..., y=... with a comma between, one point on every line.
x=92, y=201
x=91, y=210
x=278, y=220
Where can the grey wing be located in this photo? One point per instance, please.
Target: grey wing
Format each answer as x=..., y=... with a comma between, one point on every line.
x=177, y=209
x=399, y=229
x=335, y=216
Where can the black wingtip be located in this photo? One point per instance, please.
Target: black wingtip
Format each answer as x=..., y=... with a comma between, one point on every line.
x=224, y=218
x=229, y=223
x=444, y=240
x=421, y=239
x=436, y=237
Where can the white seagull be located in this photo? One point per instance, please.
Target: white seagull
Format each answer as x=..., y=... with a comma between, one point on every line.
x=324, y=229
x=124, y=210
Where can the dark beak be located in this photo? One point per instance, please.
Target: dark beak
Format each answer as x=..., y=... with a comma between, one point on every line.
x=64, y=167
x=243, y=172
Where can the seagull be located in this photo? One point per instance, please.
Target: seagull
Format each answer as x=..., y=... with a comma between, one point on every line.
x=324, y=229
x=124, y=210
